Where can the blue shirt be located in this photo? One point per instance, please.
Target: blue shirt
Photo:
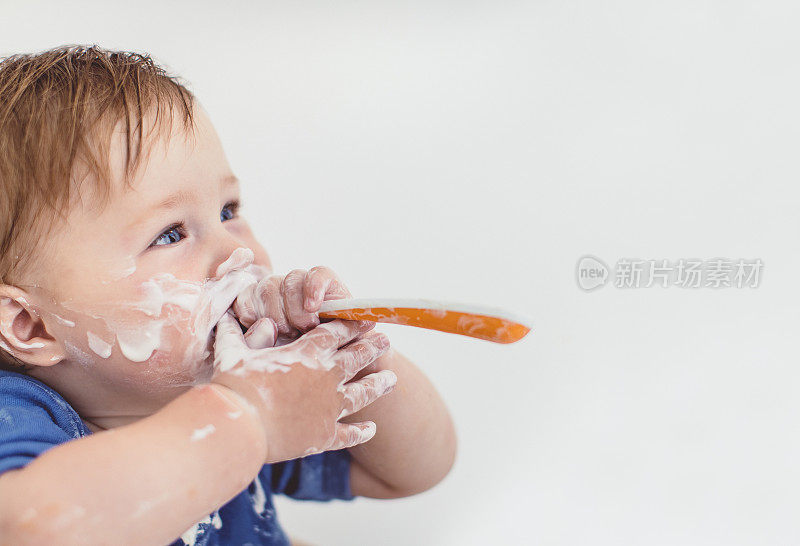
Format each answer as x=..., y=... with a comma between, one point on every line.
x=34, y=418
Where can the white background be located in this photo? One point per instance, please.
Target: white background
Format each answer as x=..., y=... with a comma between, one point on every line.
x=473, y=151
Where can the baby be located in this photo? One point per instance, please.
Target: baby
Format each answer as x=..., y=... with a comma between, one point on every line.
x=158, y=382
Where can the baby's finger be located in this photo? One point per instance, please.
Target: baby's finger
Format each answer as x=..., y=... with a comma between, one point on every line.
x=245, y=305
x=262, y=299
x=292, y=290
x=261, y=334
x=352, y=434
x=327, y=338
x=322, y=284
x=360, y=394
x=360, y=354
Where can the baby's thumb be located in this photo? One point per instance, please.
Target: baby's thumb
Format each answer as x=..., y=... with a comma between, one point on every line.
x=228, y=343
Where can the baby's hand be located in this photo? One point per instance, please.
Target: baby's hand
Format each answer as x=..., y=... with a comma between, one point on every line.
x=292, y=302
x=301, y=390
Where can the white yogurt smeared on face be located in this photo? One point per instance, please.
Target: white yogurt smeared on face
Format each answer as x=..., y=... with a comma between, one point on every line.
x=64, y=321
x=138, y=345
x=98, y=345
x=126, y=272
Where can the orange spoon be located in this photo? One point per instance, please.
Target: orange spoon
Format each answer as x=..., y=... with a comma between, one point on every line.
x=476, y=321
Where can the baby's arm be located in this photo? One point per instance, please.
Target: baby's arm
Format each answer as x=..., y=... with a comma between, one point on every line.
x=415, y=444
x=147, y=481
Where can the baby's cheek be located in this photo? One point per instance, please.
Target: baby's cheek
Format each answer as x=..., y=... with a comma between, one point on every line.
x=183, y=353
x=168, y=349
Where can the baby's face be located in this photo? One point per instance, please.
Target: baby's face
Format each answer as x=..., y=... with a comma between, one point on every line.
x=145, y=280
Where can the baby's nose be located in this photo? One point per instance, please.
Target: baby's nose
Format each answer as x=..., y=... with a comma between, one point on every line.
x=239, y=259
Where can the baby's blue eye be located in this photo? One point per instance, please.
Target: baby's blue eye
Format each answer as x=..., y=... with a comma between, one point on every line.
x=170, y=235
x=233, y=207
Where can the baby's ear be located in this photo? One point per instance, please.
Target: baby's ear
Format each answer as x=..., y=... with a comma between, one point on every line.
x=22, y=332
